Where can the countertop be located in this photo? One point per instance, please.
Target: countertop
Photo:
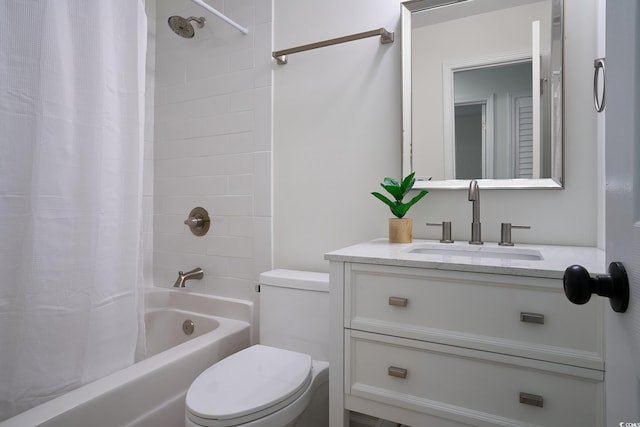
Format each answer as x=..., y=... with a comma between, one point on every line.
x=555, y=259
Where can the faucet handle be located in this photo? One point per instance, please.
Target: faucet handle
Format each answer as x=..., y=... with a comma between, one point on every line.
x=446, y=230
x=198, y=221
x=505, y=232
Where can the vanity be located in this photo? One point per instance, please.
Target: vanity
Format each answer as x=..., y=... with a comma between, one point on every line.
x=432, y=334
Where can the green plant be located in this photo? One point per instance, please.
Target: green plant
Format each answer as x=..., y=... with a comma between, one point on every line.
x=398, y=190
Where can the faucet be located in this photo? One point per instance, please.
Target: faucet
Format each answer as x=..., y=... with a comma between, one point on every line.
x=474, y=197
x=196, y=273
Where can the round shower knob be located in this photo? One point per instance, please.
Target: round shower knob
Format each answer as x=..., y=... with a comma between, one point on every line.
x=198, y=221
x=579, y=285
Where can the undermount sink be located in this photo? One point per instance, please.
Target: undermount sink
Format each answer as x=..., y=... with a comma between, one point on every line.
x=479, y=252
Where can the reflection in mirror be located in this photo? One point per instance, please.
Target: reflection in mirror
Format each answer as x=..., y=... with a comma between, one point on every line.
x=482, y=92
x=493, y=123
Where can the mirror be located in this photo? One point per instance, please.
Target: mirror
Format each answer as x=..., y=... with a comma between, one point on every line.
x=482, y=93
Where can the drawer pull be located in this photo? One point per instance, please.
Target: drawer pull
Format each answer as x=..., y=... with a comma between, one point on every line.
x=397, y=372
x=532, y=318
x=398, y=301
x=531, y=399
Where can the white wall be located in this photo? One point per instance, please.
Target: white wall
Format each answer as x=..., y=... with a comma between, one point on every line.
x=212, y=146
x=337, y=133
x=336, y=127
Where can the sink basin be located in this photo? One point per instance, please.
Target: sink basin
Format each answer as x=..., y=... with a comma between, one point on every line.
x=479, y=252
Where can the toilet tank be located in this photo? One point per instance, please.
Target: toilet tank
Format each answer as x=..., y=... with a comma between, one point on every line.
x=294, y=311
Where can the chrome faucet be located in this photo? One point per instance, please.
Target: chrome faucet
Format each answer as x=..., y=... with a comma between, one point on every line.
x=474, y=197
x=196, y=273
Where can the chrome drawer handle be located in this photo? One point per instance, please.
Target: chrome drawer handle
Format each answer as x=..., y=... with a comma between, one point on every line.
x=398, y=301
x=531, y=399
x=532, y=318
x=397, y=372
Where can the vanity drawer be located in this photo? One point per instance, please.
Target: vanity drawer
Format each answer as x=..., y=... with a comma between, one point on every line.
x=479, y=388
x=516, y=315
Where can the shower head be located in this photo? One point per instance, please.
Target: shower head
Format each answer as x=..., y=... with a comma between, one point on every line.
x=182, y=26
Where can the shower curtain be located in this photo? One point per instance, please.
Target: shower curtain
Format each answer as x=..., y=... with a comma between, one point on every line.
x=71, y=139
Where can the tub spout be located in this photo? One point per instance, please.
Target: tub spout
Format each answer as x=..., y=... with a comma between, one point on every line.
x=196, y=273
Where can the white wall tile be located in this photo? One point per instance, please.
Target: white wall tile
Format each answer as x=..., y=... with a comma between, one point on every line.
x=242, y=268
x=262, y=244
x=242, y=101
x=205, y=107
x=230, y=83
x=230, y=246
x=212, y=147
x=192, y=186
x=241, y=184
x=202, y=66
x=204, y=126
x=263, y=119
x=262, y=184
x=228, y=287
x=263, y=12
x=192, y=147
x=242, y=142
x=219, y=225
x=263, y=63
x=241, y=60
x=229, y=205
x=173, y=224
x=205, y=166
x=240, y=226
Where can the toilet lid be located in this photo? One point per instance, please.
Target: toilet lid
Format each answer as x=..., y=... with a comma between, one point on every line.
x=252, y=381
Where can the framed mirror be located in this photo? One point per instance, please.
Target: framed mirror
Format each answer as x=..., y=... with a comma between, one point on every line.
x=483, y=93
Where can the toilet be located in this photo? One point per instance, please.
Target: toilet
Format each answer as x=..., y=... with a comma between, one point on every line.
x=284, y=380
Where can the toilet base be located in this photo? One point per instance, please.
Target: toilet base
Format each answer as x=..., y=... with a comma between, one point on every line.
x=317, y=413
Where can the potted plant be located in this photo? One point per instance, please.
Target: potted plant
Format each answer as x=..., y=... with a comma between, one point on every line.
x=400, y=228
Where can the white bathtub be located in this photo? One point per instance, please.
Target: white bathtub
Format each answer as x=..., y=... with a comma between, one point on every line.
x=151, y=392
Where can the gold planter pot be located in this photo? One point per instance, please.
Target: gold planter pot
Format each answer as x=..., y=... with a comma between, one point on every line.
x=400, y=230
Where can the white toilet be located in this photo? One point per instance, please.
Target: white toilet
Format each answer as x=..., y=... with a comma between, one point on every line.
x=283, y=381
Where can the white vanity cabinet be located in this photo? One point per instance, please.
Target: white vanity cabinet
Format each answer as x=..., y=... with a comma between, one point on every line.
x=434, y=344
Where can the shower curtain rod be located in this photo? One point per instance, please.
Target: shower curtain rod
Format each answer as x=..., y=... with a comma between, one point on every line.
x=221, y=16
x=385, y=37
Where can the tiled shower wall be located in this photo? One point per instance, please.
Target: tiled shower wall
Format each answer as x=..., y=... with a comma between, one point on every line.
x=212, y=146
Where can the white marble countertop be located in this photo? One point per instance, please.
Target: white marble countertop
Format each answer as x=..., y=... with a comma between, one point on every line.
x=555, y=259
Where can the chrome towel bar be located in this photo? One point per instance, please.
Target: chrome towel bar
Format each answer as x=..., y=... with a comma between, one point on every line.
x=385, y=37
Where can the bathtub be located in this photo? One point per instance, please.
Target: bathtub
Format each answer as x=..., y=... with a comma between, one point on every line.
x=151, y=392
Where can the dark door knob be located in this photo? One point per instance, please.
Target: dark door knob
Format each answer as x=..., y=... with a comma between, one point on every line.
x=579, y=285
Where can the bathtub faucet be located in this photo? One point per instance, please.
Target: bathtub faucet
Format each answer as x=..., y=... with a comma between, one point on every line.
x=196, y=273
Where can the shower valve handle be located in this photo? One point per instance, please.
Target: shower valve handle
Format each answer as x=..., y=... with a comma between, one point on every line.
x=198, y=221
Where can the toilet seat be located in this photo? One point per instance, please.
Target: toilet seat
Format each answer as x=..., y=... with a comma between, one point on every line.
x=248, y=385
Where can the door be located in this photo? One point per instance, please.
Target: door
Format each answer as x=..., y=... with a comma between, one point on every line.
x=471, y=141
x=622, y=147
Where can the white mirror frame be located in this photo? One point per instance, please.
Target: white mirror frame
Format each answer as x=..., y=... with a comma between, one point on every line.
x=557, y=108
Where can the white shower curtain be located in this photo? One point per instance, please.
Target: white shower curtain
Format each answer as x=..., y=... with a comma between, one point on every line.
x=71, y=138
